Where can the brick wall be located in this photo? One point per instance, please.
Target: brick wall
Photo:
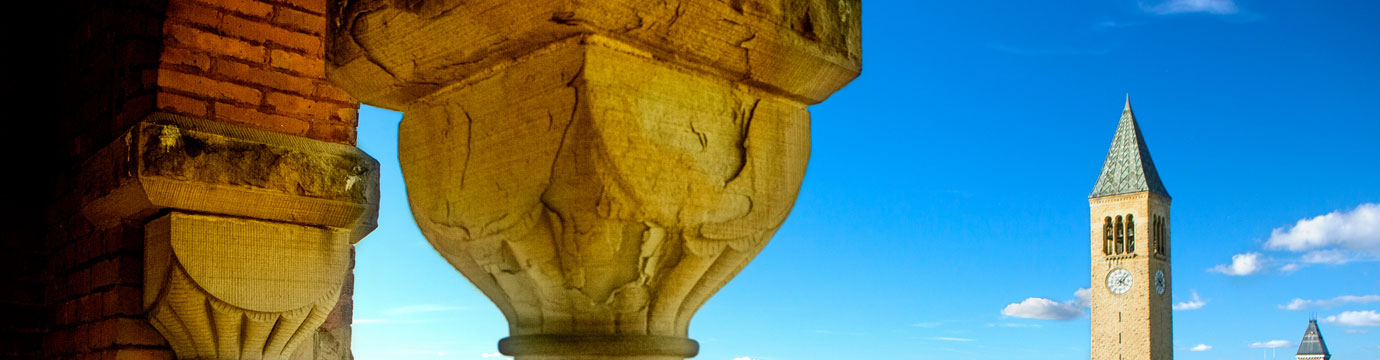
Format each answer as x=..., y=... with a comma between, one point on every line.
x=74, y=289
x=253, y=63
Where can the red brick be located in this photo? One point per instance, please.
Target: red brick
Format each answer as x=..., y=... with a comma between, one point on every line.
x=134, y=109
x=327, y=91
x=130, y=331
x=196, y=84
x=265, y=33
x=178, y=104
x=275, y=123
x=122, y=300
x=124, y=238
x=300, y=107
x=79, y=283
x=143, y=354
x=314, y=6
x=348, y=115
x=269, y=78
x=103, y=333
x=339, y=134
x=301, y=21
x=66, y=313
x=130, y=268
x=89, y=307
x=193, y=12
x=246, y=7
x=81, y=337
x=215, y=44
x=182, y=56
x=104, y=273
x=313, y=66
x=89, y=247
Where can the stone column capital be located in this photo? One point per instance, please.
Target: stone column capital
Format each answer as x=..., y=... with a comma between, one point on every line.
x=247, y=233
x=598, y=169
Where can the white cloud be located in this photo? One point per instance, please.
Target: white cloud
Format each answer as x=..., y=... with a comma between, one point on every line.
x=491, y=355
x=1355, y=318
x=1358, y=229
x=1220, y=7
x=1046, y=309
x=1290, y=267
x=1242, y=264
x=1270, y=344
x=423, y=308
x=1331, y=257
x=946, y=338
x=1201, y=347
x=1083, y=297
x=1014, y=325
x=1300, y=304
x=1194, y=304
x=1356, y=331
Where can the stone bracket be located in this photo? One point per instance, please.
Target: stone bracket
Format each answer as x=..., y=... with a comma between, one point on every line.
x=173, y=162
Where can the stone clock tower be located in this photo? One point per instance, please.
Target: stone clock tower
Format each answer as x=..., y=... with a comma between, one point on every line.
x=1131, y=311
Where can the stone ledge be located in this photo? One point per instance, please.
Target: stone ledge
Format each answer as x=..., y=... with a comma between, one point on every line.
x=389, y=53
x=172, y=162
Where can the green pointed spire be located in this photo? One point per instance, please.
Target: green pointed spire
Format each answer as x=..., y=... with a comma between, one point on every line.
x=1128, y=168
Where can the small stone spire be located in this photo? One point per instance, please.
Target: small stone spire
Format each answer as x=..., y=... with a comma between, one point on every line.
x=1128, y=167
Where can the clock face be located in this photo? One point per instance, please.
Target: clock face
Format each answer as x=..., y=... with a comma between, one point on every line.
x=1159, y=281
x=1119, y=281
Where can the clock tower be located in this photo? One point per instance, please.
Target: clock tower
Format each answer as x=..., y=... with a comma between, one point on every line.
x=1131, y=310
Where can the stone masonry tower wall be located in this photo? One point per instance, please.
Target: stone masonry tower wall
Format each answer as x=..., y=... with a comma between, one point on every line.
x=1135, y=325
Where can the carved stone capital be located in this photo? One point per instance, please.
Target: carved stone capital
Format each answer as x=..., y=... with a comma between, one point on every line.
x=598, y=168
x=593, y=191
x=231, y=288
x=247, y=233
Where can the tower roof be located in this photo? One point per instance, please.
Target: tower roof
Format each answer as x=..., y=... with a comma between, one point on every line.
x=1312, y=343
x=1128, y=168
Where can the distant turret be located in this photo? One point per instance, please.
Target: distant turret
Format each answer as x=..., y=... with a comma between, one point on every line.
x=1312, y=347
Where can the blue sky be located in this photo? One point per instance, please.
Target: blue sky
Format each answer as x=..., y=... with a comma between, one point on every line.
x=950, y=181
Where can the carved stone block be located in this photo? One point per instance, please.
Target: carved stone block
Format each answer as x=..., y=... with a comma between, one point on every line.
x=231, y=288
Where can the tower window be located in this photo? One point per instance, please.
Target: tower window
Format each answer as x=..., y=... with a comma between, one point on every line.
x=1154, y=234
x=1120, y=236
x=1130, y=233
x=1107, y=236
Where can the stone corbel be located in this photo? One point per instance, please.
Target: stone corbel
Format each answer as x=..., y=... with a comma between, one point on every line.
x=247, y=233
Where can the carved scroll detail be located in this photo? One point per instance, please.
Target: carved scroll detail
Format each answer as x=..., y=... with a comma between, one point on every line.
x=229, y=288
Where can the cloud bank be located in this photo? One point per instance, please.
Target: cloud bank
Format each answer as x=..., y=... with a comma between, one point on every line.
x=1357, y=229
x=1300, y=304
x=1272, y=344
x=1242, y=264
x=1355, y=318
x=1046, y=309
x=1218, y=7
x=1194, y=304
